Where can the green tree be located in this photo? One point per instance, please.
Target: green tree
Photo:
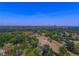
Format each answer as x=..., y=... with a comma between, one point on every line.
x=63, y=51
x=76, y=49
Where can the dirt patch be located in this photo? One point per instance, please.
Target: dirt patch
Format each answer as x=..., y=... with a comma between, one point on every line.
x=55, y=45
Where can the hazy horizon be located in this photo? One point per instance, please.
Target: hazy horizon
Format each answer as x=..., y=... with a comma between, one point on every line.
x=39, y=13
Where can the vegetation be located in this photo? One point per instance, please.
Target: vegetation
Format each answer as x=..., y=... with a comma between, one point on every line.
x=23, y=41
x=63, y=51
x=76, y=49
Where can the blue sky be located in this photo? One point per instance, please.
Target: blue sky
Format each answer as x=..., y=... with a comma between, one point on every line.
x=31, y=13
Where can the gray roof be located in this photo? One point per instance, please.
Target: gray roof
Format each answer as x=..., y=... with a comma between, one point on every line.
x=2, y=51
x=76, y=42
